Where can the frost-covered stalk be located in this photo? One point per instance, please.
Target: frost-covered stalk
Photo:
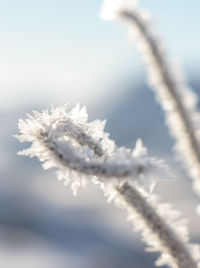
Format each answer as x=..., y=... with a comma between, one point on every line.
x=83, y=152
x=164, y=237
x=55, y=141
x=178, y=101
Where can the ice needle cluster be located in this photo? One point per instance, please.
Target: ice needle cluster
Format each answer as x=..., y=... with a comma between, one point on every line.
x=82, y=152
x=68, y=141
x=178, y=101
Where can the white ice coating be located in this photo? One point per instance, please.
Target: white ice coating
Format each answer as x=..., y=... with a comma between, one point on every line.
x=82, y=151
x=68, y=141
x=177, y=100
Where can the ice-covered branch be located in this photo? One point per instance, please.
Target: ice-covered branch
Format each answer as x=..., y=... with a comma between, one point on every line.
x=62, y=140
x=158, y=232
x=178, y=101
x=82, y=152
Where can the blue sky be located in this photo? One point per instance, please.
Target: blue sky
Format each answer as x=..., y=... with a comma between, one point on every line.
x=61, y=51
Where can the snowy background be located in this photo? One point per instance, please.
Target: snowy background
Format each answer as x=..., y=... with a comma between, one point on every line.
x=53, y=52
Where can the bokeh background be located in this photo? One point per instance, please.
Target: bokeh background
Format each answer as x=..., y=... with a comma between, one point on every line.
x=53, y=52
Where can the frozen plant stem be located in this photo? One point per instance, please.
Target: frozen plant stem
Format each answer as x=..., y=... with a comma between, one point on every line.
x=168, y=80
x=170, y=242
x=178, y=101
x=56, y=141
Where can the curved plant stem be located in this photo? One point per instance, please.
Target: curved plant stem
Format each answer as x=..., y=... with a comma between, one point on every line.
x=170, y=242
x=59, y=145
x=173, y=95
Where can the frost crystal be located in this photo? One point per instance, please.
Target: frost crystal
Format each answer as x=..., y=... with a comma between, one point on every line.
x=82, y=151
x=66, y=140
x=178, y=101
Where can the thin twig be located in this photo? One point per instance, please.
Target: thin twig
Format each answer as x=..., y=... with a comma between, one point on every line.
x=64, y=152
x=178, y=101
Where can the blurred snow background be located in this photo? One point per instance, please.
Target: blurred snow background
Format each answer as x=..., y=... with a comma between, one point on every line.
x=53, y=52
